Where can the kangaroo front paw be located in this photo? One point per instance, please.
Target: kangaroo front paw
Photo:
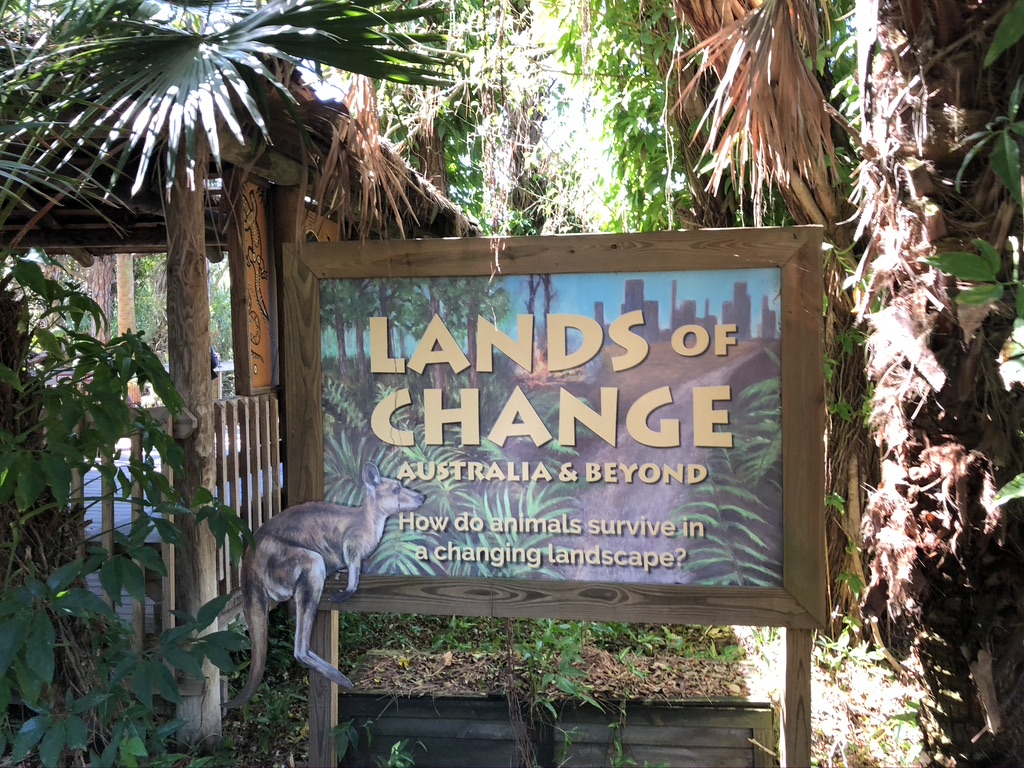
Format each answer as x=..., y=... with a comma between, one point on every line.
x=344, y=682
x=341, y=597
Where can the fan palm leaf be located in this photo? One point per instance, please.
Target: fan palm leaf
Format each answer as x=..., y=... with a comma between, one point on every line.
x=173, y=81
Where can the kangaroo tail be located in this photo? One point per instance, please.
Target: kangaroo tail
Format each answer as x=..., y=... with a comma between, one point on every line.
x=256, y=607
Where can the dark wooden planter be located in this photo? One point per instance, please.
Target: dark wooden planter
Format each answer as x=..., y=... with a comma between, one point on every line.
x=477, y=732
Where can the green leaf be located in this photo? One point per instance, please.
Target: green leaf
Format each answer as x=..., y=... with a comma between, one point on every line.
x=1005, y=161
x=1012, y=490
x=142, y=684
x=52, y=745
x=209, y=612
x=40, y=646
x=57, y=474
x=990, y=253
x=112, y=578
x=980, y=294
x=83, y=603
x=134, y=579
x=964, y=266
x=30, y=276
x=220, y=657
x=184, y=660
x=149, y=557
x=1008, y=33
x=31, y=684
x=62, y=578
x=165, y=683
x=31, y=483
x=31, y=733
x=13, y=633
x=91, y=700
x=76, y=733
x=11, y=378
x=131, y=749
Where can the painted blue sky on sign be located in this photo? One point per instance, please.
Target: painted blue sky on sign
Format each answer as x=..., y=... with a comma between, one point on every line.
x=577, y=294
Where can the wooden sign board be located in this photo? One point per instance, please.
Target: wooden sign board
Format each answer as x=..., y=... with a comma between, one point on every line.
x=621, y=428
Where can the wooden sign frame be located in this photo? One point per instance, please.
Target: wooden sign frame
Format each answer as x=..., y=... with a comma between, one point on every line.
x=796, y=251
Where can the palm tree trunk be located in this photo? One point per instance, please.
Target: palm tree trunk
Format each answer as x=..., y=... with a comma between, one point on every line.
x=946, y=560
x=101, y=288
x=126, y=322
x=188, y=322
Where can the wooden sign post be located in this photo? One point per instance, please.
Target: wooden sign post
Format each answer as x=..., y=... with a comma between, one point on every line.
x=606, y=427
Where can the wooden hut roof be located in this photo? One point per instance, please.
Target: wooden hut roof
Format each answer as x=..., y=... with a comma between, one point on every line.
x=347, y=172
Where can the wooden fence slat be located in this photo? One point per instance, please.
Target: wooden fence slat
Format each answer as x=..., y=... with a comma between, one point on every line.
x=253, y=412
x=231, y=449
x=243, y=462
x=220, y=484
x=168, y=596
x=275, y=456
x=106, y=516
x=218, y=477
x=138, y=607
x=265, y=461
x=77, y=494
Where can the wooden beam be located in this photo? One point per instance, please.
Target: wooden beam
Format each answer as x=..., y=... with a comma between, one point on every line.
x=560, y=254
x=263, y=161
x=148, y=238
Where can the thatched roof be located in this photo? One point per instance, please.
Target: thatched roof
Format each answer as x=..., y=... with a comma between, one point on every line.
x=345, y=169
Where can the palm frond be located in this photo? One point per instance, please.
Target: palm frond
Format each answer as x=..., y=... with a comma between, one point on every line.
x=164, y=84
x=768, y=111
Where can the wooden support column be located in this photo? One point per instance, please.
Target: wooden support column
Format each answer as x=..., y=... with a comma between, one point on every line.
x=796, y=700
x=188, y=342
x=250, y=263
x=301, y=380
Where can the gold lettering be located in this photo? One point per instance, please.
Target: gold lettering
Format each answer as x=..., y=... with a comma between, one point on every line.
x=635, y=346
x=701, y=340
x=724, y=338
x=489, y=338
x=447, y=349
x=380, y=420
x=529, y=423
x=636, y=420
x=559, y=358
x=379, y=360
x=705, y=417
x=467, y=415
x=572, y=410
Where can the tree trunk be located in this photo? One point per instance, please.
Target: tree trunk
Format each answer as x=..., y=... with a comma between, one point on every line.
x=946, y=560
x=126, y=322
x=188, y=321
x=102, y=283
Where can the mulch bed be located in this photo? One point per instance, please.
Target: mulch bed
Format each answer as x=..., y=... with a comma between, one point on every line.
x=605, y=676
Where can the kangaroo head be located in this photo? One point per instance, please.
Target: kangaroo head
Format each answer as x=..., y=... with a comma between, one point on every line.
x=386, y=495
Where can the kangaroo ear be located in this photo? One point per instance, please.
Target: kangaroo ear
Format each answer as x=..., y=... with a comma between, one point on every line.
x=371, y=475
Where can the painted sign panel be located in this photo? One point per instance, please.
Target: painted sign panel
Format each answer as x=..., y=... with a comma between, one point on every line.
x=617, y=427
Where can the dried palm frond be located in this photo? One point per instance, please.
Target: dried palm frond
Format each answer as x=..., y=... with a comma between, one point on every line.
x=767, y=116
x=359, y=179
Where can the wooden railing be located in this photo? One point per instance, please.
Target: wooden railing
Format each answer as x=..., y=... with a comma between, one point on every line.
x=247, y=446
x=98, y=490
x=248, y=479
